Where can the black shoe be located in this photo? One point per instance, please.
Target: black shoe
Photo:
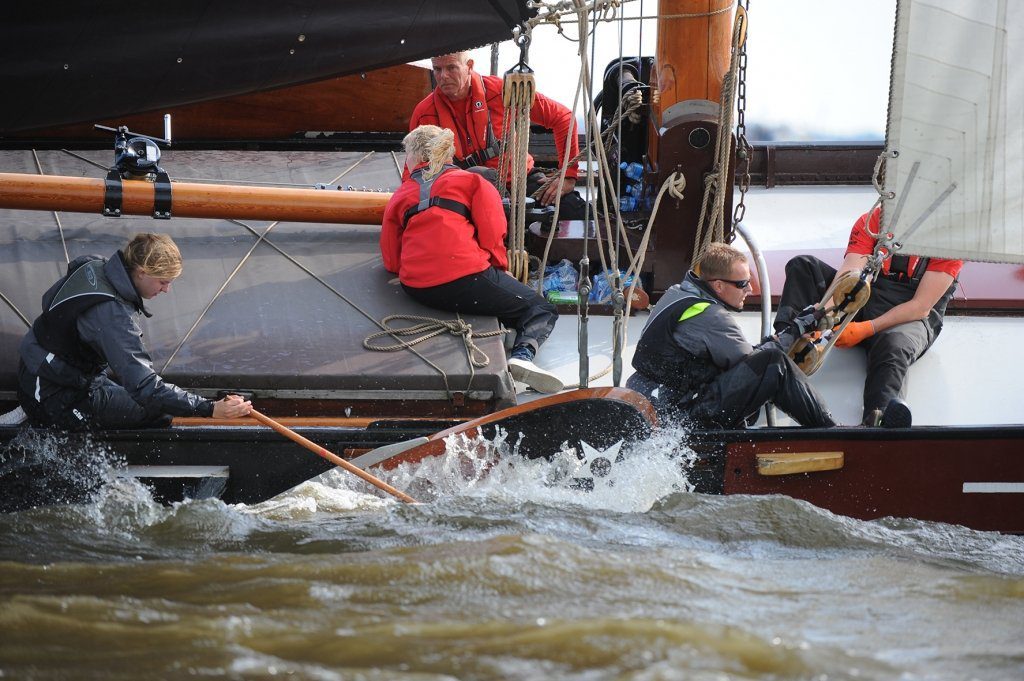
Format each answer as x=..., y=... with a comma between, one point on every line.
x=896, y=414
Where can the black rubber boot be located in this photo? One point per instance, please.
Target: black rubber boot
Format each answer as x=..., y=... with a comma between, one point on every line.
x=897, y=414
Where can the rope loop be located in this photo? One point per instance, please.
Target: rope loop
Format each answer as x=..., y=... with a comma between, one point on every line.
x=425, y=328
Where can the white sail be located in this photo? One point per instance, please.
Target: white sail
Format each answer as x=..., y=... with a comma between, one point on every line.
x=955, y=146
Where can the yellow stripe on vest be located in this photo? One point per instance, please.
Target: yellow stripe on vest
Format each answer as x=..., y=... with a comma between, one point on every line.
x=693, y=311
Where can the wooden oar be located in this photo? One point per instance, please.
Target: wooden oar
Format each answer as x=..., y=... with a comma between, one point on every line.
x=333, y=458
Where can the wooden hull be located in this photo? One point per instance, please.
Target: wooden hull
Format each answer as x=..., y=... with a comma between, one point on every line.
x=251, y=463
x=598, y=416
x=972, y=476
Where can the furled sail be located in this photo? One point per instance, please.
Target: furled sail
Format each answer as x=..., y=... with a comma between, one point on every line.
x=955, y=142
x=70, y=61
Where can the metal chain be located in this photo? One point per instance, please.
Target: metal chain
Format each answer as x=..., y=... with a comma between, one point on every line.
x=743, y=149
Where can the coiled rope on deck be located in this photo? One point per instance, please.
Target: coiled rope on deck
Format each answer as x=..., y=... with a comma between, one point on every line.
x=426, y=328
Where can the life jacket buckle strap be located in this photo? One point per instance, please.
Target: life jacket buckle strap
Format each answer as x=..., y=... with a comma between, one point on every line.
x=426, y=187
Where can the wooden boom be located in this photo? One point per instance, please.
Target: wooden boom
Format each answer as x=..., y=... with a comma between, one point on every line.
x=195, y=200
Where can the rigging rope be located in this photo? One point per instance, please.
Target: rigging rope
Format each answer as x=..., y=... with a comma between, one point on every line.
x=552, y=13
x=608, y=195
x=56, y=216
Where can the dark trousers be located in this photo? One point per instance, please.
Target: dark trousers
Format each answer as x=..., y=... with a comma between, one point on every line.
x=571, y=206
x=890, y=352
x=734, y=397
x=493, y=292
x=103, y=404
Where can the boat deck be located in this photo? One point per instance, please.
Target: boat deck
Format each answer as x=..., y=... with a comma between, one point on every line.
x=280, y=310
x=285, y=317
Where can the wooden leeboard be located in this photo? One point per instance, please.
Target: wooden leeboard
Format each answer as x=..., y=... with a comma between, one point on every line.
x=789, y=463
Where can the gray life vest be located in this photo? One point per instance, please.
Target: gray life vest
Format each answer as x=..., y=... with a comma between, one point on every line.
x=56, y=329
x=427, y=200
x=660, y=358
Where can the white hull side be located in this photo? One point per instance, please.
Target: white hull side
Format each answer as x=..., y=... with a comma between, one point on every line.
x=970, y=376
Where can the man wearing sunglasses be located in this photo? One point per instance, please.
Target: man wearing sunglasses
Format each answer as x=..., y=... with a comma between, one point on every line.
x=693, y=362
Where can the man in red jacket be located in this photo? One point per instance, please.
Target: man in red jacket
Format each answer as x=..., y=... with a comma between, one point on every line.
x=472, y=107
x=444, y=234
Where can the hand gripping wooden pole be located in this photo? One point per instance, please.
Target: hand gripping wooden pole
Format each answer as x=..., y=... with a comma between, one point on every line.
x=333, y=458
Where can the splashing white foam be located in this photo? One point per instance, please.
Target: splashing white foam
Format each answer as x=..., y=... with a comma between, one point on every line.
x=642, y=473
x=335, y=491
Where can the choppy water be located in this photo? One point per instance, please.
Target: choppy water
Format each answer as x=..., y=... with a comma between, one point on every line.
x=511, y=575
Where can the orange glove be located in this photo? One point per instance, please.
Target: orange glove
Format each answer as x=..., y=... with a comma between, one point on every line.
x=854, y=333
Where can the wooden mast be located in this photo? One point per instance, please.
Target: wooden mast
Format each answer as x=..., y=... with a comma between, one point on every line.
x=692, y=59
x=692, y=55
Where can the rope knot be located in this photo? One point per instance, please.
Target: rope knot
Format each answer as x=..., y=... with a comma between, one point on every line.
x=429, y=327
x=676, y=185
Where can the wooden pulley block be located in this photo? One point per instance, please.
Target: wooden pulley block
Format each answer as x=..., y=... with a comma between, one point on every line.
x=519, y=89
x=842, y=301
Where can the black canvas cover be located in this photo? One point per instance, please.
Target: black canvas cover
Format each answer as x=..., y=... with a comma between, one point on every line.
x=69, y=61
x=274, y=328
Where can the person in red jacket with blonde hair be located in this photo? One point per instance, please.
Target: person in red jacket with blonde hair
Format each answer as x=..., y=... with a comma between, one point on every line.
x=472, y=107
x=443, y=233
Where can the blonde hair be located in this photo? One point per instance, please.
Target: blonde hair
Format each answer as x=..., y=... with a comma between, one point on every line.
x=718, y=260
x=153, y=254
x=432, y=144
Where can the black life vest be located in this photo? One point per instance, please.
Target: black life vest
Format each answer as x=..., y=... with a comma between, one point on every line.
x=427, y=200
x=480, y=158
x=899, y=269
x=660, y=358
x=56, y=329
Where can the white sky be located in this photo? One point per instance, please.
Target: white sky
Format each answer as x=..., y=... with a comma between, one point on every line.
x=820, y=67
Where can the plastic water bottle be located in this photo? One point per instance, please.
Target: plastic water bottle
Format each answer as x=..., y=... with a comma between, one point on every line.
x=633, y=171
x=628, y=203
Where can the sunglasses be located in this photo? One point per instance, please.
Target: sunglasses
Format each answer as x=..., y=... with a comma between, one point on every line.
x=742, y=283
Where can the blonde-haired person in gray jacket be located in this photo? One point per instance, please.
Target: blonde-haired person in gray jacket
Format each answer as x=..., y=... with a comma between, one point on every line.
x=89, y=327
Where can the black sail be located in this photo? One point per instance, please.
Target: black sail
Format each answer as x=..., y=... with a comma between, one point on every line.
x=72, y=61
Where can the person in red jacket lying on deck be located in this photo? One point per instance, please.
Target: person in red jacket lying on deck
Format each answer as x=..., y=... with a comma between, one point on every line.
x=472, y=107
x=443, y=233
